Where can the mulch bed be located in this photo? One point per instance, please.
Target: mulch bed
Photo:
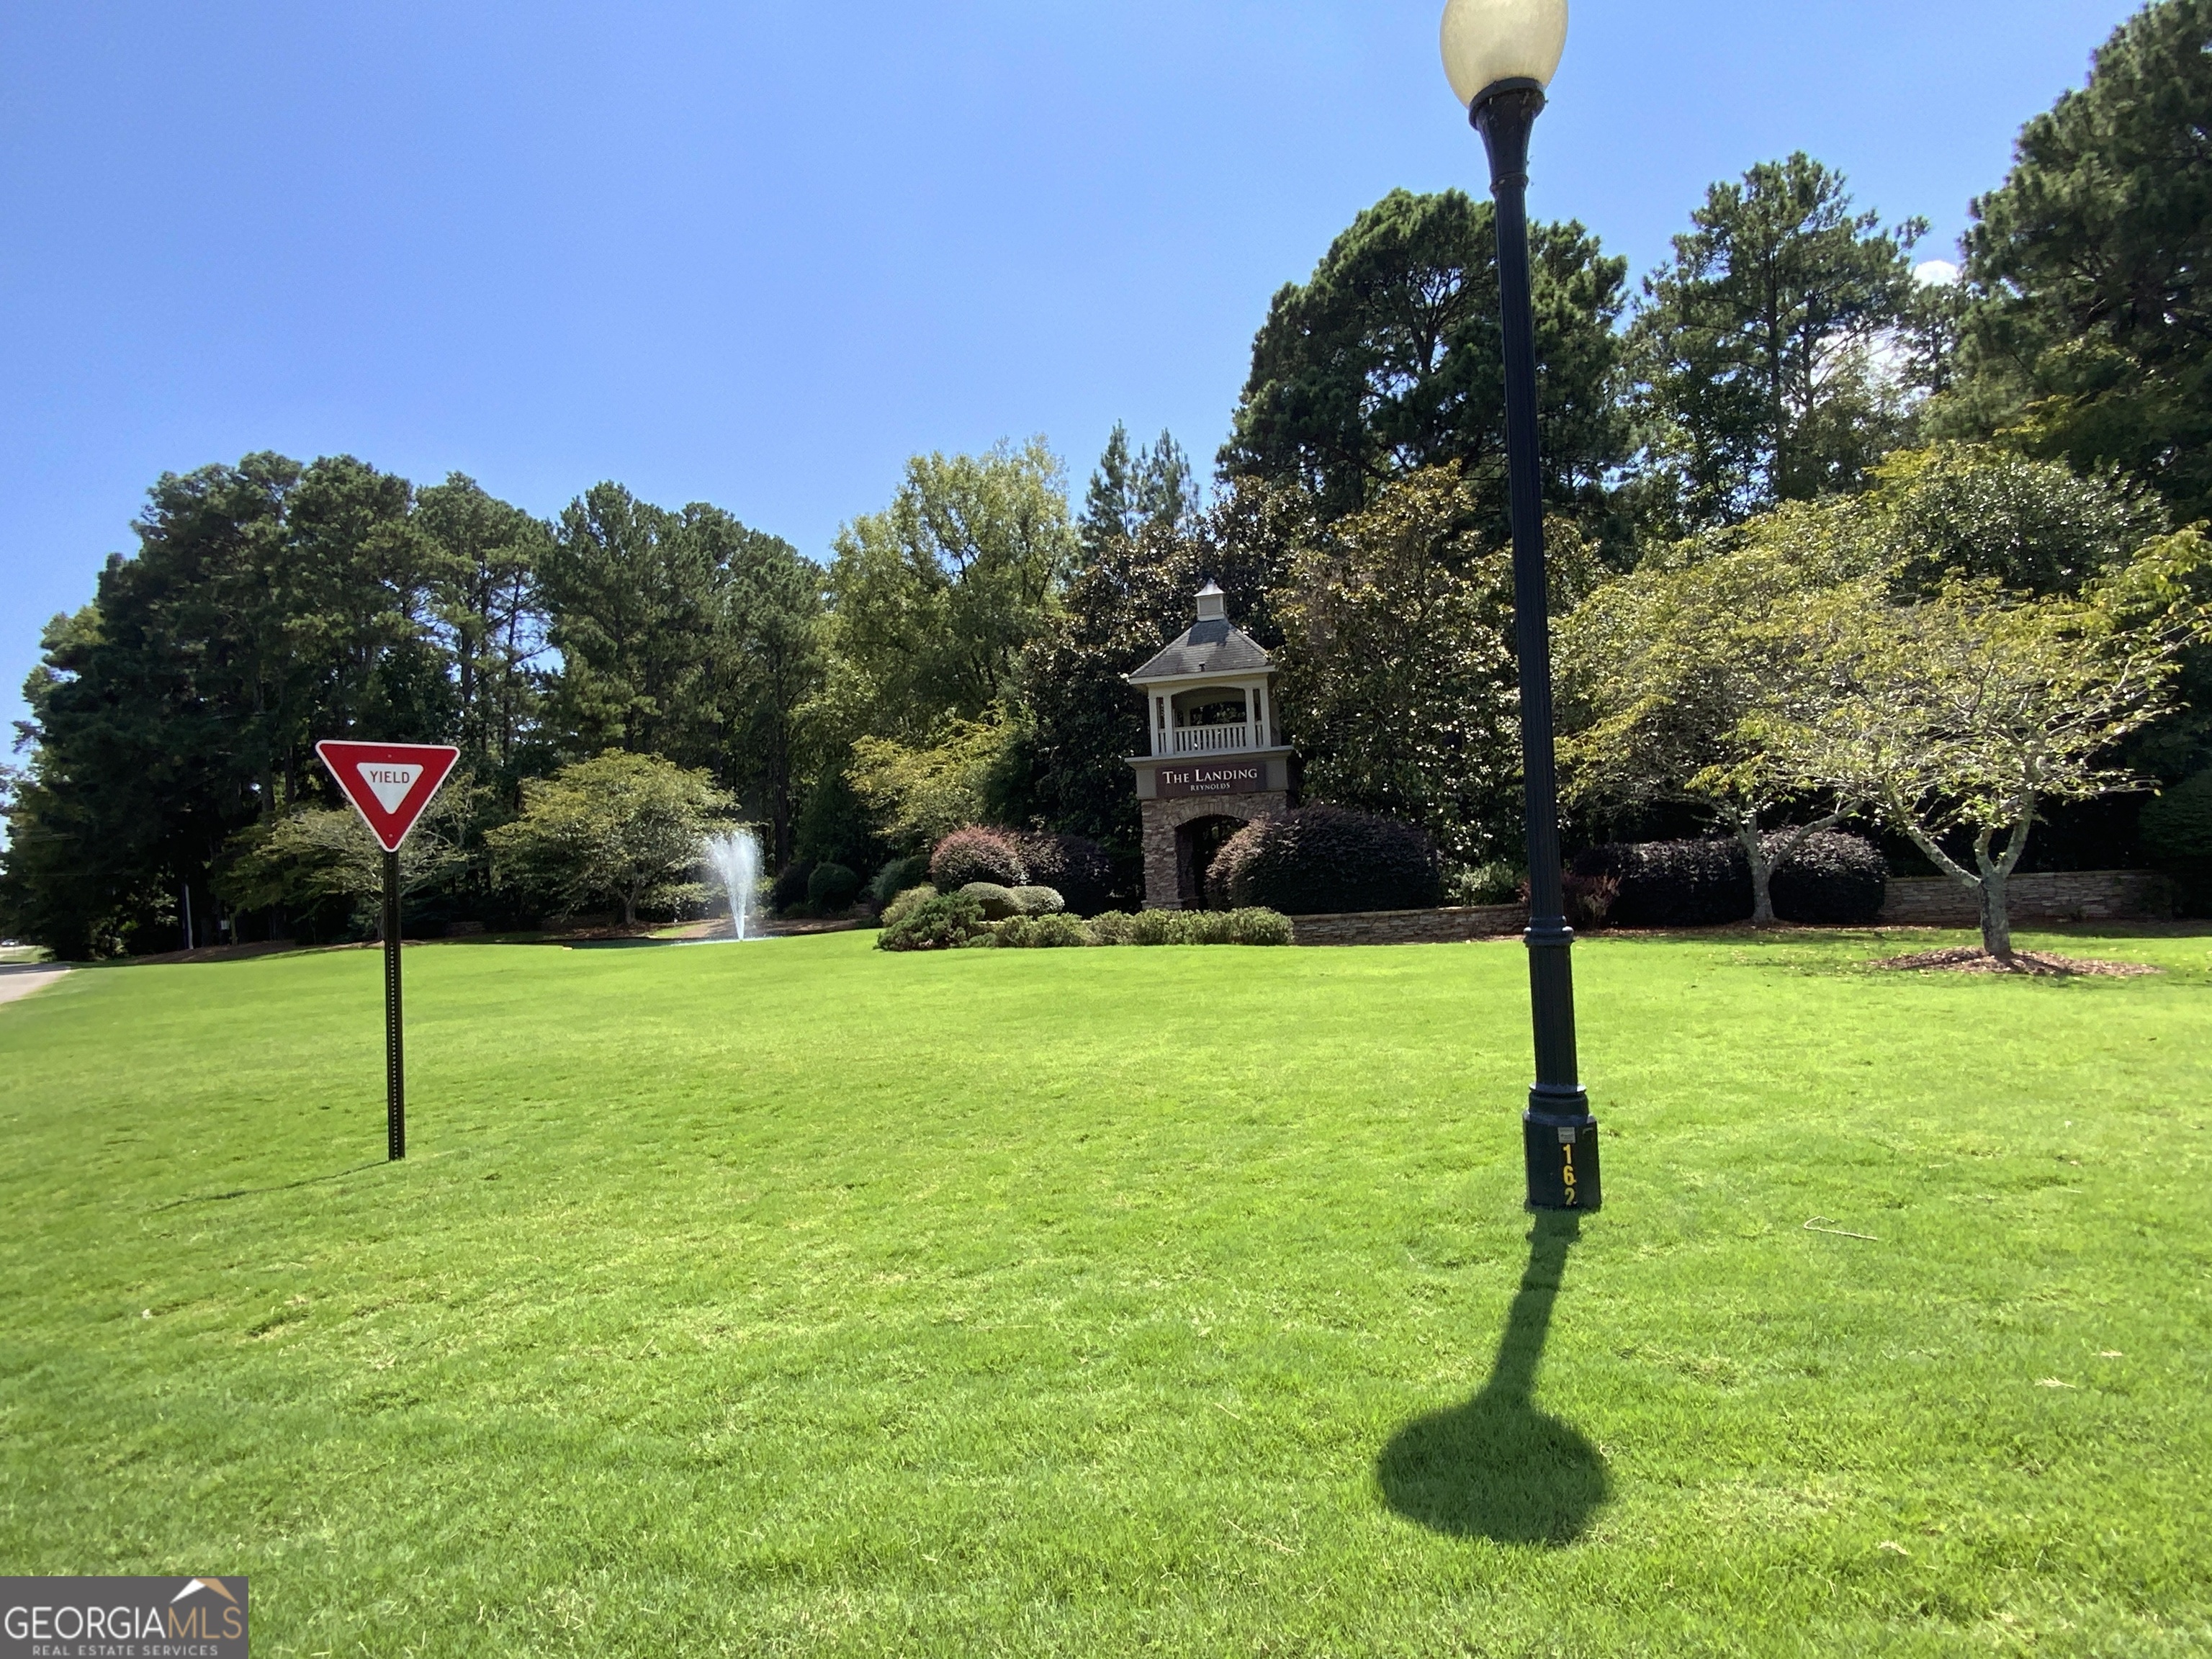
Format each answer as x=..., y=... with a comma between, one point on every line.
x=1972, y=959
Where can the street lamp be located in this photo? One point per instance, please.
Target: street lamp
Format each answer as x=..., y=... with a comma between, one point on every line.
x=1500, y=55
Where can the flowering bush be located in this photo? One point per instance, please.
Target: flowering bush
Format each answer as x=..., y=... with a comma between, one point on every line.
x=977, y=854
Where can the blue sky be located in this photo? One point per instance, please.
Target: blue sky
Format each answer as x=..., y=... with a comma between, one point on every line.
x=757, y=254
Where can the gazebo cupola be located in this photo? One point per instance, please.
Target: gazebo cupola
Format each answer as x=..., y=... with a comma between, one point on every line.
x=1215, y=753
x=1211, y=692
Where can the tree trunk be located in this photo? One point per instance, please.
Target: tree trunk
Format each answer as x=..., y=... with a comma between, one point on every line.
x=1977, y=884
x=1996, y=917
x=1996, y=920
x=1762, y=872
x=1764, y=863
x=630, y=908
x=779, y=814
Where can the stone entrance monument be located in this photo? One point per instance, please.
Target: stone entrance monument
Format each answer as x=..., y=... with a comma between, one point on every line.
x=1217, y=759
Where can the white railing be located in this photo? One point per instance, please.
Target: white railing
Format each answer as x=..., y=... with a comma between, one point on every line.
x=1210, y=739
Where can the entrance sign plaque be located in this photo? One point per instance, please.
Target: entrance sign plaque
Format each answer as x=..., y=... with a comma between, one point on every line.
x=391, y=785
x=1219, y=778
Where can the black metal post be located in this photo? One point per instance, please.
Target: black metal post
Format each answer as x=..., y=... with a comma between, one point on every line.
x=1559, y=1134
x=395, y=1062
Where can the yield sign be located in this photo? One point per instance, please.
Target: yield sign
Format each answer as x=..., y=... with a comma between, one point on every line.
x=389, y=783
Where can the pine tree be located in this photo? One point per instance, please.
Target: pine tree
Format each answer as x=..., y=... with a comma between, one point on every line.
x=2090, y=335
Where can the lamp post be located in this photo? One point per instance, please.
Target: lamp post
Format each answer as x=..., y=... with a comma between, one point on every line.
x=1500, y=55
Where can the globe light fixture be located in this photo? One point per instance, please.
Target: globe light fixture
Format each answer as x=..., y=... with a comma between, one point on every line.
x=1500, y=55
x=1486, y=41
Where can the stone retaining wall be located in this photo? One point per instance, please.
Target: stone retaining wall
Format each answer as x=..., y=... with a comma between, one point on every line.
x=1453, y=926
x=1929, y=901
x=2059, y=896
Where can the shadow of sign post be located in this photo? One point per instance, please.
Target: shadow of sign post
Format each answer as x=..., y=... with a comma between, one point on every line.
x=1498, y=1468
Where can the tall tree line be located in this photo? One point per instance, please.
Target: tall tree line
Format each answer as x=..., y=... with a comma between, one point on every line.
x=1784, y=374
x=271, y=605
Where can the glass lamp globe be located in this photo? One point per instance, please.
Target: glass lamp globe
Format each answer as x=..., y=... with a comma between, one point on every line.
x=1486, y=41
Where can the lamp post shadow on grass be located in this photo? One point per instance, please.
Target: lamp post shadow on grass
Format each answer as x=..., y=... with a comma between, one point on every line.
x=1496, y=1467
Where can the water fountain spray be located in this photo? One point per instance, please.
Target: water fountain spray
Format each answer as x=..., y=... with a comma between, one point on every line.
x=735, y=858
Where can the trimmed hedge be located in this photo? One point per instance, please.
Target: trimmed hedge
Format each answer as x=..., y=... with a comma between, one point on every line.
x=1038, y=900
x=999, y=902
x=978, y=854
x=1834, y=880
x=1054, y=932
x=1324, y=860
x=1670, y=883
x=1074, y=866
x=943, y=922
x=1251, y=925
x=923, y=918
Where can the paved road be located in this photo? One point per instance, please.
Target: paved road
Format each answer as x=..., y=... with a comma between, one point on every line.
x=21, y=979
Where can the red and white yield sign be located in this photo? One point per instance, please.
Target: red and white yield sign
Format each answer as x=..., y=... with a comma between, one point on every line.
x=389, y=783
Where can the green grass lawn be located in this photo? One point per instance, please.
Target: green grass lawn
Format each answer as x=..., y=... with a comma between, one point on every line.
x=794, y=1298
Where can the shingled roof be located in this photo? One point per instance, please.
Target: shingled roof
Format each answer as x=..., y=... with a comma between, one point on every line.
x=1213, y=646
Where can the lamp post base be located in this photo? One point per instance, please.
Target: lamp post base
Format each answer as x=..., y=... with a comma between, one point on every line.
x=1561, y=1147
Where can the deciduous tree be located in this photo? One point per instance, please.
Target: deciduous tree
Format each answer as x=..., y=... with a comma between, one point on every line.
x=620, y=828
x=922, y=794
x=934, y=599
x=1398, y=667
x=1964, y=713
x=1672, y=681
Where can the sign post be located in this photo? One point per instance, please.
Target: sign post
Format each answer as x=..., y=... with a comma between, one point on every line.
x=390, y=784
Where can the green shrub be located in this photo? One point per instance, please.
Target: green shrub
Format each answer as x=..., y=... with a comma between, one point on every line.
x=940, y=921
x=2177, y=827
x=1486, y=884
x=1075, y=866
x=832, y=887
x=790, y=887
x=976, y=854
x=903, y=904
x=1669, y=884
x=1113, y=928
x=1162, y=927
x=897, y=877
x=1833, y=880
x=1039, y=901
x=1323, y=860
x=1246, y=926
x=998, y=903
x=1054, y=931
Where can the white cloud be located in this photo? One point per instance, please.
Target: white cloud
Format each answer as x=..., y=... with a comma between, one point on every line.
x=1935, y=273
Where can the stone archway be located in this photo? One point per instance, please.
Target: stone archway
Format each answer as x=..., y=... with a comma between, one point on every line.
x=1197, y=844
x=1173, y=834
